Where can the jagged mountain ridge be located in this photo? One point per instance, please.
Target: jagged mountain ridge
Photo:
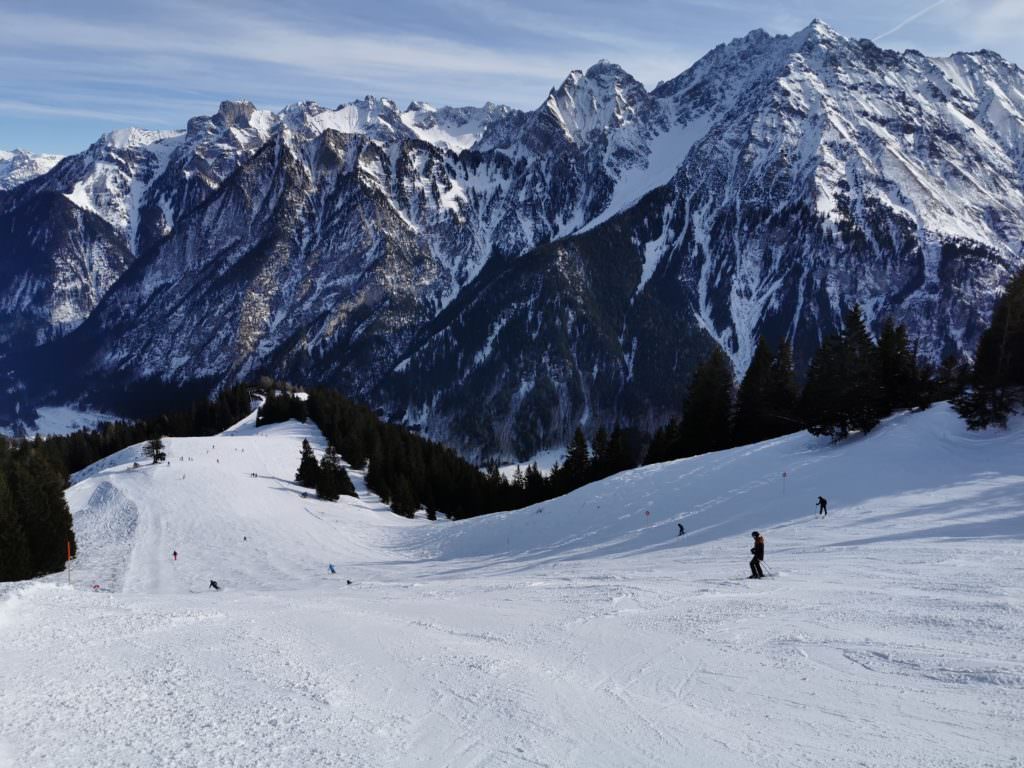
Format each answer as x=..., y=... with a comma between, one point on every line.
x=562, y=265
x=19, y=166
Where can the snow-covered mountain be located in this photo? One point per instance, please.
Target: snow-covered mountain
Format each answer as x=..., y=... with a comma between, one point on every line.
x=581, y=631
x=20, y=166
x=498, y=276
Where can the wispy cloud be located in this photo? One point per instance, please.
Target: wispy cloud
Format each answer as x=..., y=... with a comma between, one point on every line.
x=913, y=17
x=100, y=65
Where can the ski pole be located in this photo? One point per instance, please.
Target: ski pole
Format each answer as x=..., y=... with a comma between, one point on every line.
x=765, y=566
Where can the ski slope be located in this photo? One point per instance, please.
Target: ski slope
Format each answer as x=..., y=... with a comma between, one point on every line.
x=579, y=632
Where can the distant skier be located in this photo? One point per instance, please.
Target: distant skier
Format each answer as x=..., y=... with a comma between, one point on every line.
x=822, y=506
x=174, y=554
x=348, y=581
x=213, y=585
x=330, y=567
x=758, y=552
x=245, y=538
x=681, y=529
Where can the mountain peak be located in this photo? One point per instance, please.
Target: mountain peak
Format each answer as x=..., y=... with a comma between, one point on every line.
x=817, y=32
x=605, y=68
x=235, y=112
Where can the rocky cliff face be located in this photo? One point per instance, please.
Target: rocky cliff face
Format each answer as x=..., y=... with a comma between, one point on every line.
x=498, y=276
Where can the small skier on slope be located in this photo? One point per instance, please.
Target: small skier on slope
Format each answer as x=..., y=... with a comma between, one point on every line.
x=681, y=529
x=174, y=554
x=758, y=552
x=822, y=506
x=330, y=567
x=213, y=585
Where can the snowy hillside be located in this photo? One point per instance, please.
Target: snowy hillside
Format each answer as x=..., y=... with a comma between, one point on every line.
x=581, y=632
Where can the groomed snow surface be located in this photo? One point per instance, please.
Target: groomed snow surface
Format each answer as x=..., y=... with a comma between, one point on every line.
x=581, y=632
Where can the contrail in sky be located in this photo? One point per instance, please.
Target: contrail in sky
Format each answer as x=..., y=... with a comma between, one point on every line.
x=909, y=19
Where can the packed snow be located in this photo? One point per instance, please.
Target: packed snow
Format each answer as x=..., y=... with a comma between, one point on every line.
x=581, y=631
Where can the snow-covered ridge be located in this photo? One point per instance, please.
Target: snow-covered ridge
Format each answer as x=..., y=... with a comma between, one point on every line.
x=20, y=166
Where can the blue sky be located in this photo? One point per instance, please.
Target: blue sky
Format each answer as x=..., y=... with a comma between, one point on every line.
x=71, y=70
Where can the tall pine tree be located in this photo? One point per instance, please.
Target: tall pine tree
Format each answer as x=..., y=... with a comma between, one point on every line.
x=707, y=412
x=900, y=379
x=575, y=469
x=753, y=421
x=332, y=479
x=843, y=390
x=309, y=468
x=37, y=492
x=997, y=380
x=15, y=557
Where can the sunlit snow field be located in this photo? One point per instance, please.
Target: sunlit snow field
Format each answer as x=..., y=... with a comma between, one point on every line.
x=580, y=632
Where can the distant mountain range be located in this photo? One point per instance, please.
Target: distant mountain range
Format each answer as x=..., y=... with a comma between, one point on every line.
x=496, y=276
x=19, y=166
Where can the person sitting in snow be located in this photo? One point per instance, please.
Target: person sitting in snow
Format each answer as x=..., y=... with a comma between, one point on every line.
x=758, y=552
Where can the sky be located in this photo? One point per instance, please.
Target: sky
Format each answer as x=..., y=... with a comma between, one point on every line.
x=70, y=71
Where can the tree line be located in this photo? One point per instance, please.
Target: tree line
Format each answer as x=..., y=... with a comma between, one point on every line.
x=996, y=385
x=35, y=522
x=852, y=383
x=410, y=472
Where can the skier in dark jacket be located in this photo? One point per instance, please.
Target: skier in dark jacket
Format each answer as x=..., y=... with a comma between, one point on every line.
x=681, y=529
x=213, y=585
x=758, y=552
x=822, y=506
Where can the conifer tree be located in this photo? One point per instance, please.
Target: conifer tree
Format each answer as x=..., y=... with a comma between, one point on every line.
x=843, y=391
x=309, y=468
x=997, y=380
x=664, y=444
x=534, y=484
x=707, y=412
x=403, y=502
x=37, y=492
x=897, y=369
x=574, y=471
x=863, y=397
x=15, y=558
x=332, y=479
x=783, y=394
x=614, y=457
x=752, y=408
x=599, y=457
